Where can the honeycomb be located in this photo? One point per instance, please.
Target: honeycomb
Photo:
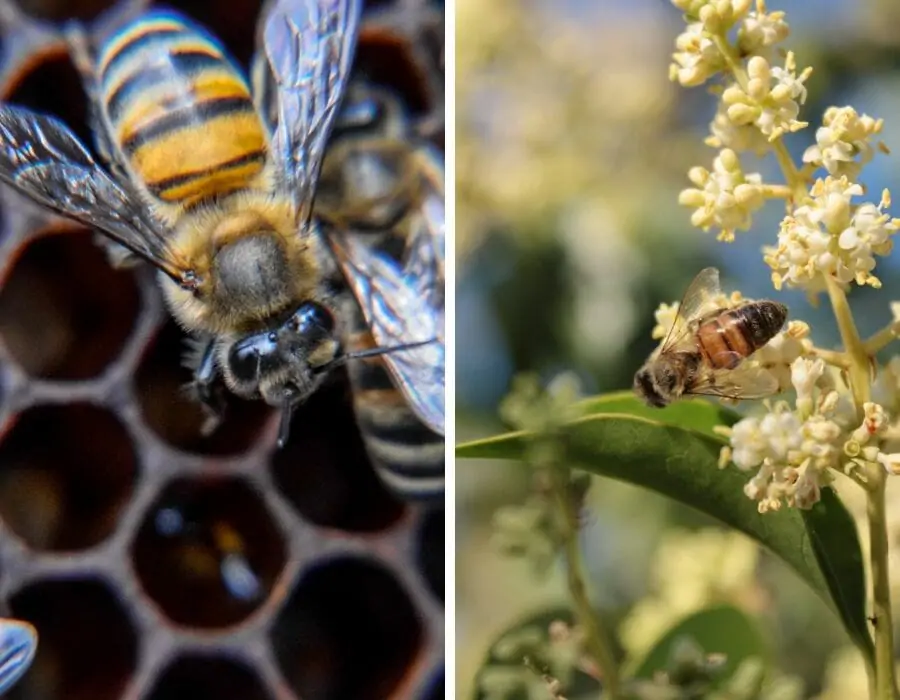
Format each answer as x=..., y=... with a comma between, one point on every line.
x=155, y=562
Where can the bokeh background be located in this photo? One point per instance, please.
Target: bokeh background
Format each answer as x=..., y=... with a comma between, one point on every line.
x=572, y=146
x=155, y=562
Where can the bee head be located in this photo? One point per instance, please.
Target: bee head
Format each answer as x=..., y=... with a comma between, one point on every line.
x=287, y=363
x=658, y=383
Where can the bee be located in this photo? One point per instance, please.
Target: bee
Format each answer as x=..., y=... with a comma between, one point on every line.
x=219, y=198
x=705, y=349
x=18, y=645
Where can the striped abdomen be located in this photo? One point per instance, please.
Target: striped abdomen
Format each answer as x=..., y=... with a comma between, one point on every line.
x=179, y=109
x=408, y=456
x=731, y=336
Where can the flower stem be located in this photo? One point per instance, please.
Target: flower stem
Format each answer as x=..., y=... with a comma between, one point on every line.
x=885, y=685
x=853, y=345
x=881, y=339
x=596, y=638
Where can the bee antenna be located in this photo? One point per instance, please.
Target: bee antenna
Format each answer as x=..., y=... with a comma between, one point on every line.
x=373, y=352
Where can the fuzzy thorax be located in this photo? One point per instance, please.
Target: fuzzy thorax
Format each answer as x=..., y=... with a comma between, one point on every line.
x=252, y=263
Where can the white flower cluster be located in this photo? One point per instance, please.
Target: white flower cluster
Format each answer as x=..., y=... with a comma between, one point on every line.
x=797, y=450
x=793, y=451
x=844, y=142
x=697, y=57
x=725, y=197
x=828, y=235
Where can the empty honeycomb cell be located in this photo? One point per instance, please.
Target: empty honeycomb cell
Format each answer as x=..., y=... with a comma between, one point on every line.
x=324, y=470
x=52, y=85
x=347, y=632
x=193, y=676
x=176, y=417
x=59, y=10
x=88, y=646
x=386, y=58
x=65, y=313
x=235, y=28
x=66, y=472
x=208, y=551
x=431, y=551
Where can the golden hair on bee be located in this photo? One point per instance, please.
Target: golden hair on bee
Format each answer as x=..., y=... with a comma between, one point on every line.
x=249, y=259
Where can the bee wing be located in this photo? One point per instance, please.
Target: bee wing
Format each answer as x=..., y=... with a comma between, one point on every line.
x=43, y=160
x=699, y=298
x=310, y=46
x=18, y=644
x=403, y=304
x=746, y=381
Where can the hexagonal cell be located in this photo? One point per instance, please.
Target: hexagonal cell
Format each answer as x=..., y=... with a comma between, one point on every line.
x=52, y=85
x=347, y=631
x=385, y=58
x=59, y=10
x=88, y=646
x=324, y=470
x=65, y=313
x=208, y=552
x=430, y=554
x=175, y=417
x=235, y=28
x=194, y=676
x=66, y=473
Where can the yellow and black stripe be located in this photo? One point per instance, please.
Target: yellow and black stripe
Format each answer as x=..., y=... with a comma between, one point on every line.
x=408, y=457
x=180, y=110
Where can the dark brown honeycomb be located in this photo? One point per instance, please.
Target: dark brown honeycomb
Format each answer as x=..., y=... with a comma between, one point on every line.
x=155, y=562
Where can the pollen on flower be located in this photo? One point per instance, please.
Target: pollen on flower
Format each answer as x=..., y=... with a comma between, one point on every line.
x=828, y=235
x=725, y=197
x=844, y=141
x=761, y=30
x=772, y=98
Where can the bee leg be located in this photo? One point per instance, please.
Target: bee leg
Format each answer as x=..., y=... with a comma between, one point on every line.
x=206, y=387
x=284, y=426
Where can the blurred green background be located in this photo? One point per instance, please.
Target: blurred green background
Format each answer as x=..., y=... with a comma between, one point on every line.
x=572, y=146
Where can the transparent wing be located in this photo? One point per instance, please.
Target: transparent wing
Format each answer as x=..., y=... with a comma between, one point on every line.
x=699, y=298
x=403, y=303
x=43, y=160
x=18, y=644
x=745, y=381
x=310, y=46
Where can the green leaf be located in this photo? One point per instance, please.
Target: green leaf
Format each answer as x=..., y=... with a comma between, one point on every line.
x=722, y=630
x=679, y=459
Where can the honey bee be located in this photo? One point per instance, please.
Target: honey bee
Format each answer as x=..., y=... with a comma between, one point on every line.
x=219, y=197
x=705, y=349
x=18, y=645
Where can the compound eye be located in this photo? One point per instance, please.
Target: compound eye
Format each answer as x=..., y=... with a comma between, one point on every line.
x=313, y=319
x=247, y=356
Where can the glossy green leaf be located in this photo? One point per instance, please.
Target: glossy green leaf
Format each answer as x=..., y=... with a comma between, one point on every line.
x=681, y=462
x=721, y=630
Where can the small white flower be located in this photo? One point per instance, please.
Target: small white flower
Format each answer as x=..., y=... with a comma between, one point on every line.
x=761, y=30
x=696, y=58
x=725, y=197
x=805, y=374
x=843, y=142
x=890, y=462
x=772, y=98
x=665, y=317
